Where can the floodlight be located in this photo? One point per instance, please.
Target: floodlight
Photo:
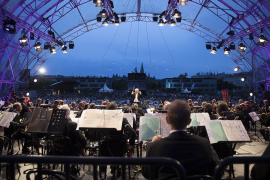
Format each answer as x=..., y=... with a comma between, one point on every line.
x=27, y=94
x=182, y=3
x=47, y=45
x=42, y=70
x=105, y=22
x=243, y=78
x=251, y=94
x=99, y=18
x=251, y=36
x=99, y=4
x=23, y=41
x=35, y=80
x=178, y=20
x=9, y=26
x=172, y=23
x=116, y=22
x=123, y=18
x=236, y=69
x=103, y=13
x=51, y=33
x=112, y=6
x=230, y=33
x=64, y=49
x=38, y=46
x=226, y=50
x=232, y=46
x=161, y=22
x=242, y=47
x=155, y=18
x=53, y=50
x=263, y=39
x=213, y=50
x=71, y=45
x=208, y=45
x=176, y=14
x=32, y=36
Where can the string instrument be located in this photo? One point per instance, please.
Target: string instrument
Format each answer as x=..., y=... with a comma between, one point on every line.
x=265, y=114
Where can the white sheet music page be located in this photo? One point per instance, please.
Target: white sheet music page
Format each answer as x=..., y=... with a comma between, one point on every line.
x=254, y=116
x=91, y=118
x=232, y=130
x=242, y=130
x=164, y=127
x=201, y=117
x=7, y=118
x=129, y=117
x=113, y=119
x=209, y=131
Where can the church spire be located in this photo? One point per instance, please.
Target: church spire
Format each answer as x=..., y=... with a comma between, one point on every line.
x=142, y=69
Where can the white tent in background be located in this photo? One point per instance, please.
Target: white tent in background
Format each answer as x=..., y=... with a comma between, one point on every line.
x=186, y=91
x=105, y=89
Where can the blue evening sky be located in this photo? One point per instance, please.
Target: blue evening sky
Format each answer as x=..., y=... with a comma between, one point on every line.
x=187, y=49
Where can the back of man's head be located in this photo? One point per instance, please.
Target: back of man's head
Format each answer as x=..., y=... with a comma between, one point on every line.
x=22, y=99
x=179, y=114
x=111, y=106
x=222, y=107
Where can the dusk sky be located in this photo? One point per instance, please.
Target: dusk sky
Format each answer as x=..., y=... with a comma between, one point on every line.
x=187, y=49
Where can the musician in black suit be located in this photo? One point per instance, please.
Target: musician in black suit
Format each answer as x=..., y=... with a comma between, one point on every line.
x=193, y=152
x=24, y=107
x=265, y=108
x=38, y=102
x=139, y=110
x=261, y=171
x=136, y=97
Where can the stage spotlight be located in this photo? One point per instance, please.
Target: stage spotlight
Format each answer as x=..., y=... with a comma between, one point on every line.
x=51, y=33
x=243, y=78
x=263, y=39
x=47, y=45
x=99, y=4
x=42, y=70
x=35, y=80
x=208, y=45
x=172, y=23
x=178, y=20
x=226, y=50
x=176, y=14
x=103, y=13
x=161, y=22
x=105, y=22
x=116, y=22
x=32, y=36
x=112, y=6
x=59, y=43
x=23, y=41
x=53, y=50
x=38, y=46
x=9, y=25
x=123, y=18
x=213, y=50
x=251, y=36
x=64, y=49
x=162, y=14
x=236, y=69
x=99, y=18
x=182, y=3
x=232, y=46
x=230, y=33
x=251, y=94
x=155, y=18
x=71, y=45
x=27, y=94
x=242, y=47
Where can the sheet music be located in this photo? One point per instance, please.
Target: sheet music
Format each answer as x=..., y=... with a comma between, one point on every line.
x=215, y=131
x=7, y=118
x=164, y=127
x=242, y=129
x=201, y=117
x=129, y=117
x=254, y=116
x=72, y=116
x=232, y=131
x=148, y=127
x=40, y=120
x=150, y=110
x=193, y=120
x=94, y=118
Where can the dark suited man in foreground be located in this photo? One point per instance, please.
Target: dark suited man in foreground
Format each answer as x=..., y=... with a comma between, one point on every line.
x=136, y=97
x=193, y=152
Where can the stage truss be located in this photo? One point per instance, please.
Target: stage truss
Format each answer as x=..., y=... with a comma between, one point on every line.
x=14, y=59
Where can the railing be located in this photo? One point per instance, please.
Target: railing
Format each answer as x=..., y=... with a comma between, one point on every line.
x=246, y=160
x=67, y=160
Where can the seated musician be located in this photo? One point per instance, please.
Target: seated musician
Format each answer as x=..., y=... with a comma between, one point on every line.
x=24, y=106
x=209, y=109
x=265, y=108
x=74, y=106
x=239, y=115
x=5, y=107
x=203, y=107
x=81, y=106
x=139, y=110
x=56, y=104
x=92, y=106
x=193, y=152
x=38, y=103
x=16, y=132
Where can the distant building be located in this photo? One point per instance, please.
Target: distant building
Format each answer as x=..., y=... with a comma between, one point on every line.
x=201, y=85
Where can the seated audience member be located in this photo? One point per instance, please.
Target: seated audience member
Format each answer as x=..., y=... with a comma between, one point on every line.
x=74, y=106
x=139, y=110
x=56, y=104
x=261, y=171
x=92, y=106
x=209, y=109
x=38, y=103
x=193, y=152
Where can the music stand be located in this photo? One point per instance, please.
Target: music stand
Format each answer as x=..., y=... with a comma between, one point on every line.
x=58, y=121
x=162, y=111
x=27, y=116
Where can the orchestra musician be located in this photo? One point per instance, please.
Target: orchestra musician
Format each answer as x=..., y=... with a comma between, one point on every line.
x=265, y=108
x=136, y=97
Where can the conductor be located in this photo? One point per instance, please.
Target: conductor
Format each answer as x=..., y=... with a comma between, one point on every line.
x=136, y=97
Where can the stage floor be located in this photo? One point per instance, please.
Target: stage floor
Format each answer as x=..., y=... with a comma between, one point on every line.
x=255, y=148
